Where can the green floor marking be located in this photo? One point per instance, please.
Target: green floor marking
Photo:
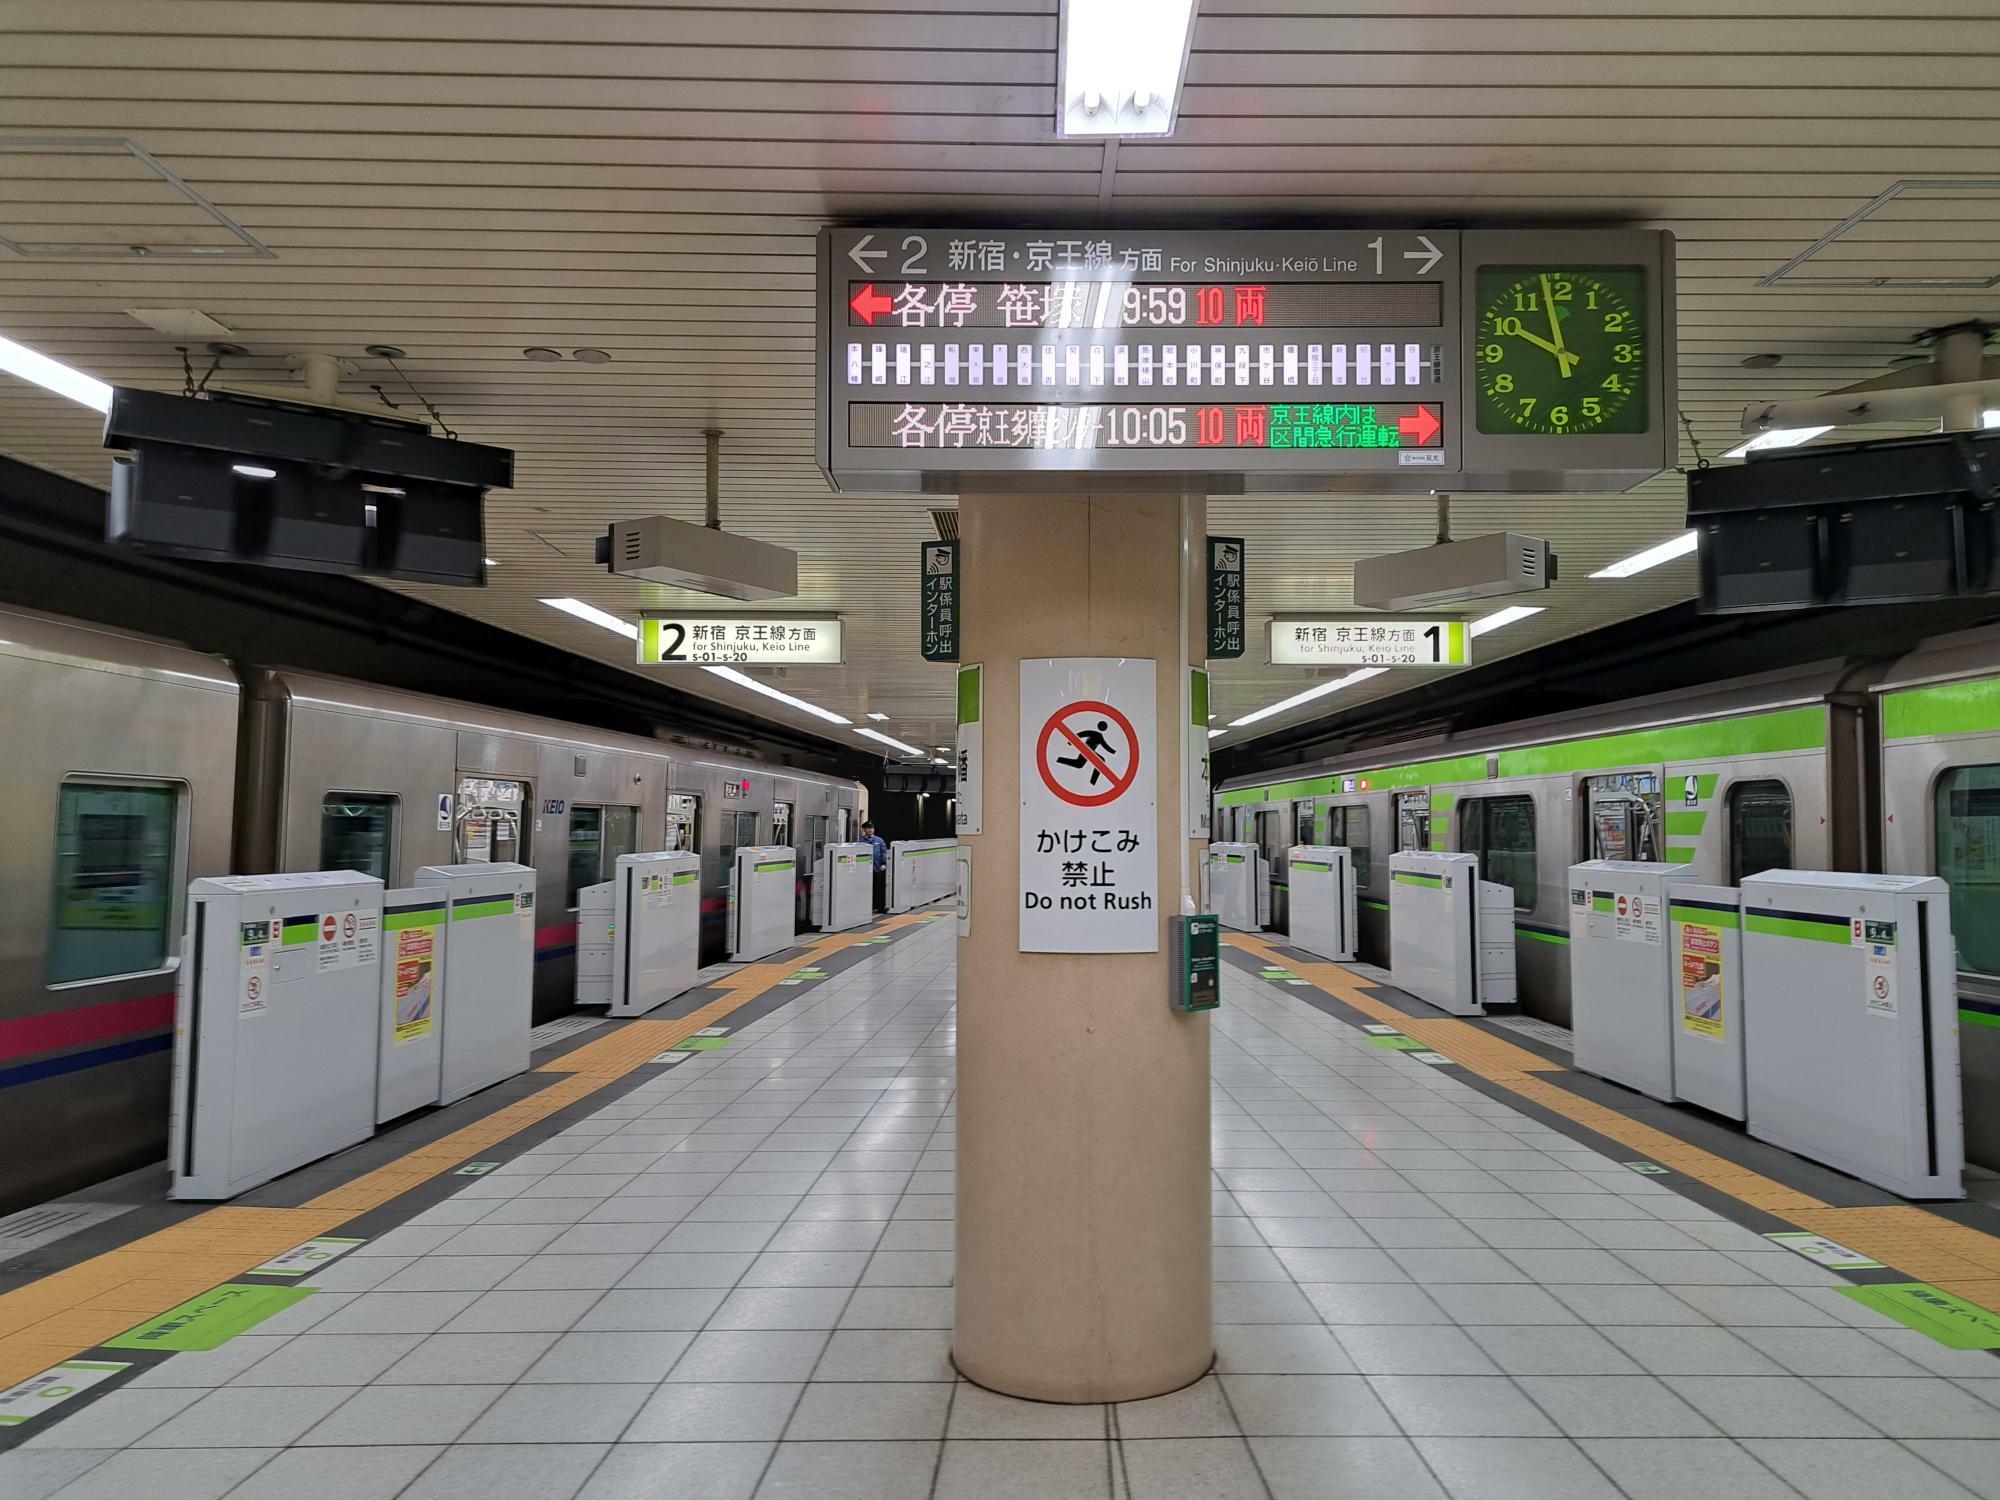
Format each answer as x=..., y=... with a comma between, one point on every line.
x=1399, y=1043
x=700, y=1044
x=1952, y=1321
x=212, y=1319
x=475, y=1169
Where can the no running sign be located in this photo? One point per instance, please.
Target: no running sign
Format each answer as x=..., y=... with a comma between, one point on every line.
x=1089, y=819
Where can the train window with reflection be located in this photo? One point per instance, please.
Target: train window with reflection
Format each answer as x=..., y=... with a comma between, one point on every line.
x=1347, y=828
x=1968, y=858
x=355, y=833
x=1501, y=831
x=1760, y=828
x=597, y=836
x=117, y=872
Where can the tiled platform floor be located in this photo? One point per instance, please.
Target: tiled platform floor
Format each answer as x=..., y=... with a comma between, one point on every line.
x=736, y=1282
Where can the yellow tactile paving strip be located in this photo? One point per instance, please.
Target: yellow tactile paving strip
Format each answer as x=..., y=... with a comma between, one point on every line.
x=1925, y=1247
x=60, y=1316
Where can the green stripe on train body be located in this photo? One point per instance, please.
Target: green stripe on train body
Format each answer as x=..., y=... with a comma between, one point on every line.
x=1775, y=733
x=1947, y=708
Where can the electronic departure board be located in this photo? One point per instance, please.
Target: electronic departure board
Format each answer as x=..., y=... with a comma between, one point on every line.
x=1356, y=360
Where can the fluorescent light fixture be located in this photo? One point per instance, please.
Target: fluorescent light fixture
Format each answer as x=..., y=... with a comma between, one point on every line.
x=1121, y=66
x=879, y=718
x=253, y=471
x=1503, y=617
x=1652, y=557
x=743, y=679
x=938, y=760
x=1214, y=732
x=53, y=375
x=595, y=616
x=1318, y=690
x=881, y=738
x=607, y=621
x=1777, y=437
x=944, y=750
x=1989, y=418
x=491, y=563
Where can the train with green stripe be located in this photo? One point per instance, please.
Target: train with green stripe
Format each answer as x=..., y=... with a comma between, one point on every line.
x=1891, y=767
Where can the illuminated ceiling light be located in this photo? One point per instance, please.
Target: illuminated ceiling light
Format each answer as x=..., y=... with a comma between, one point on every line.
x=1652, y=557
x=52, y=375
x=1121, y=66
x=491, y=563
x=1214, y=732
x=938, y=760
x=1318, y=690
x=603, y=619
x=743, y=679
x=879, y=718
x=1503, y=617
x=1989, y=419
x=944, y=750
x=881, y=738
x=1777, y=437
x=253, y=471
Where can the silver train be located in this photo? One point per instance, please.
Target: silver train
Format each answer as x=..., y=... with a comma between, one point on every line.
x=1837, y=766
x=133, y=766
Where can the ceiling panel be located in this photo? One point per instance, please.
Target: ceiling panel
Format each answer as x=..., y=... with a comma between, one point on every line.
x=465, y=179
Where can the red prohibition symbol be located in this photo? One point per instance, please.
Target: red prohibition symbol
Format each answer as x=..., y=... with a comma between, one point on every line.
x=1073, y=743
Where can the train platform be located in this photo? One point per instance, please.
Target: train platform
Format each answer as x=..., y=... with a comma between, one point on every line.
x=711, y=1255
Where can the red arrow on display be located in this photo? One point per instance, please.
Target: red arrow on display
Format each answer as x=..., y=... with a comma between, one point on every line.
x=868, y=302
x=1419, y=427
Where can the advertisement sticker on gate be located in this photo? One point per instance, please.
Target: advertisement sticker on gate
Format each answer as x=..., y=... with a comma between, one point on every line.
x=415, y=954
x=1701, y=981
x=1089, y=818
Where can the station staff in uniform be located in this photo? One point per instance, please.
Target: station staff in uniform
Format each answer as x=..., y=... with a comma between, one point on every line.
x=881, y=855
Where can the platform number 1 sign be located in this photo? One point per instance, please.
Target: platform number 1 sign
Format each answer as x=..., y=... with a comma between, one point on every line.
x=940, y=601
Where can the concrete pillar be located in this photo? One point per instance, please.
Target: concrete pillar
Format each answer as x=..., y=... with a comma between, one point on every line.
x=1083, y=1113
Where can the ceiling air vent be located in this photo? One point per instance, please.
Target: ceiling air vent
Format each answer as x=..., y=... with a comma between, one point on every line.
x=946, y=522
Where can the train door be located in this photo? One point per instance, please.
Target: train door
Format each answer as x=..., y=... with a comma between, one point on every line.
x=808, y=856
x=843, y=825
x=597, y=836
x=1413, y=821
x=487, y=826
x=1271, y=837
x=683, y=822
x=1624, y=816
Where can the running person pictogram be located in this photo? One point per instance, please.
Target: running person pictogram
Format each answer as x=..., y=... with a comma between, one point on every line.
x=1086, y=741
x=1088, y=737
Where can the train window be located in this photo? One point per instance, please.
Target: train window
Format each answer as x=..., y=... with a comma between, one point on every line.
x=1760, y=828
x=1501, y=831
x=356, y=831
x=1968, y=858
x=815, y=840
x=1626, y=815
x=1413, y=821
x=683, y=822
x=781, y=823
x=117, y=874
x=1307, y=823
x=487, y=825
x=1347, y=827
x=597, y=836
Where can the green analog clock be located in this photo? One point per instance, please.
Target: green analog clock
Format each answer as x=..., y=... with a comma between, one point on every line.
x=1562, y=350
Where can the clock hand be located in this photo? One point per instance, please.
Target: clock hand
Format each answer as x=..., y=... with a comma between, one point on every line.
x=1541, y=343
x=1564, y=358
